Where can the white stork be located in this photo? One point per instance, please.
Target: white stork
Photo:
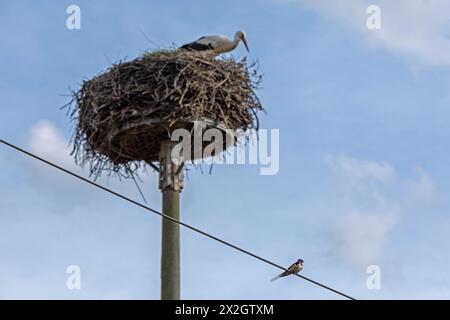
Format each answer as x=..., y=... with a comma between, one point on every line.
x=216, y=45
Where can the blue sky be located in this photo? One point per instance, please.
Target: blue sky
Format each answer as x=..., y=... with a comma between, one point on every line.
x=364, y=154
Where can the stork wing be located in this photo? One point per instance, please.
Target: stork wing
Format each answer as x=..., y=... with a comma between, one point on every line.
x=195, y=46
x=207, y=43
x=212, y=41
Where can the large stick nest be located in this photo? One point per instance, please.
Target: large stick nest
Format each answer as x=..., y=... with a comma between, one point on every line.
x=121, y=116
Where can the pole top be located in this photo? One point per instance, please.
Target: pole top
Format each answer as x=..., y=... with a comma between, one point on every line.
x=171, y=168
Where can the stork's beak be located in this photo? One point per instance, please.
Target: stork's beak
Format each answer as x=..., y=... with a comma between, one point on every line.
x=244, y=40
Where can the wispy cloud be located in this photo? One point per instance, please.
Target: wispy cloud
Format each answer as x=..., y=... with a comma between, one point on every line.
x=354, y=174
x=46, y=140
x=361, y=236
x=374, y=198
x=414, y=29
x=422, y=188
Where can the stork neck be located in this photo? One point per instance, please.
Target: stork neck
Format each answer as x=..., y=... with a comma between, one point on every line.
x=236, y=41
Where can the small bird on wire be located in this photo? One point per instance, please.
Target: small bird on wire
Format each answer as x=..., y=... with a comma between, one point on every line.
x=216, y=44
x=293, y=269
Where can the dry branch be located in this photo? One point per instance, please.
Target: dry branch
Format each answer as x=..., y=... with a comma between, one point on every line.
x=122, y=115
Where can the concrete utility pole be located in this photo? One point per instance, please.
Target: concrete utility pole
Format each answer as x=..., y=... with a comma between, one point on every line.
x=170, y=184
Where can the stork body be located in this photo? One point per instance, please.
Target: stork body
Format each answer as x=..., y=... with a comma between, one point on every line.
x=216, y=44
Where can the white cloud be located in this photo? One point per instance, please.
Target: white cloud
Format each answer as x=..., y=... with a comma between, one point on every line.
x=353, y=173
x=373, y=199
x=361, y=236
x=47, y=141
x=423, y=188
x=415, y=29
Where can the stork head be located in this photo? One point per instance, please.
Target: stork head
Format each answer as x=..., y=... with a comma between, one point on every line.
x=241, y=36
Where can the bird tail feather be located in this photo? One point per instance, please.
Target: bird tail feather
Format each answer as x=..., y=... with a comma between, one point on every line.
x=277, y=277
x=283, y=274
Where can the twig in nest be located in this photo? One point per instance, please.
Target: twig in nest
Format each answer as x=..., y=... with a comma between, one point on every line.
x=122, y=115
